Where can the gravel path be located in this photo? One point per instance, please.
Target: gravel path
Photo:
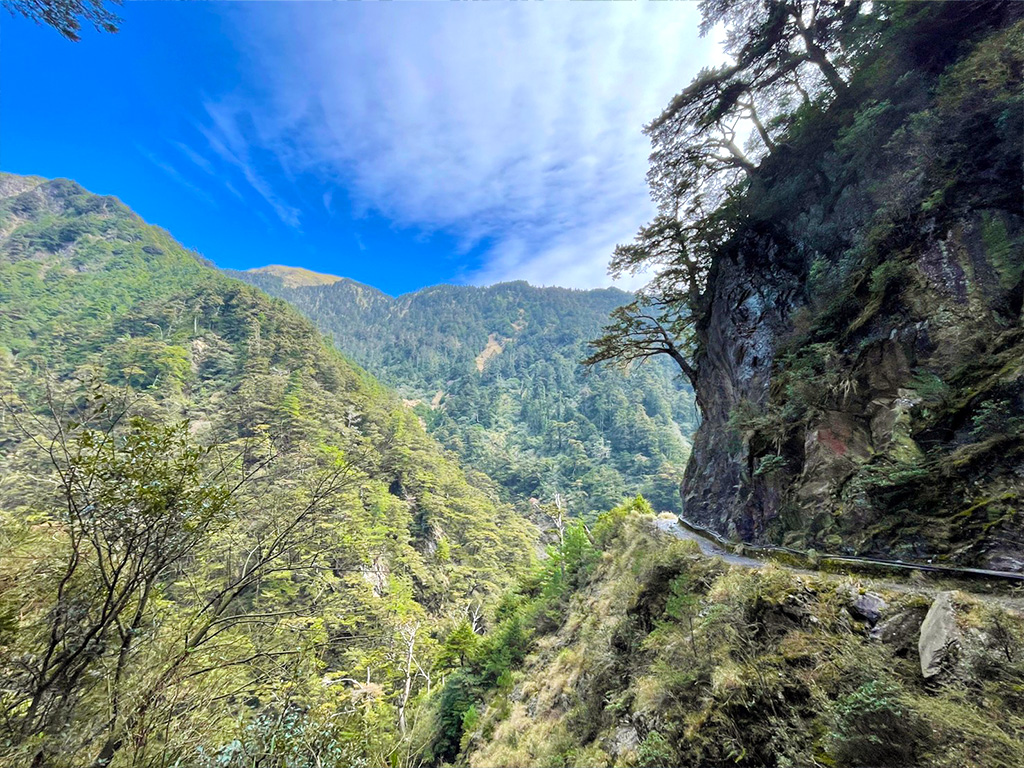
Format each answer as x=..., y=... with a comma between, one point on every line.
x=1012, y=600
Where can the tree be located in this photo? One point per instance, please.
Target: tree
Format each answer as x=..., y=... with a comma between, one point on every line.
x=700, y=162
x=459, y=646
x=775, y=45
x=102, y=650
x=697, y=149
x=641, y=330
x=771, y=38
x=66, y=16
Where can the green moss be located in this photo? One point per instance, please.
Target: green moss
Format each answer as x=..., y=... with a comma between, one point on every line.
x=1003, y=252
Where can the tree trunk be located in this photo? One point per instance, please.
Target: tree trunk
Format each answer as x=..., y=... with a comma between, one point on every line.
x=408, y=680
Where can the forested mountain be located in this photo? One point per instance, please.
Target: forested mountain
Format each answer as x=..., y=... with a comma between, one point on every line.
x=495, y=374
x=220, y=539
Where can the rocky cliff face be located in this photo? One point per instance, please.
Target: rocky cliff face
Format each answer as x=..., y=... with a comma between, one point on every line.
x=861, y=360
x=749, y=311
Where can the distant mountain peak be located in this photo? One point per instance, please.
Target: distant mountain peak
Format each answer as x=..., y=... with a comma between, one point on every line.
x=296, y=277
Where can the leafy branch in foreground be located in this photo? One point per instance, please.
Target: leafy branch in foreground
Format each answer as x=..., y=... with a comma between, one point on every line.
x=140, y=504
x=66, y=16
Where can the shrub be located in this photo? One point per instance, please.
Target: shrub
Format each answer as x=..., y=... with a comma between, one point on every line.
x=874, y=728
x=655, y=751
x=609, y=524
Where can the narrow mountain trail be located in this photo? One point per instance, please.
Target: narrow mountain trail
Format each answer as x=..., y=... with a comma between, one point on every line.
x=672, y=527
x=1010, y=598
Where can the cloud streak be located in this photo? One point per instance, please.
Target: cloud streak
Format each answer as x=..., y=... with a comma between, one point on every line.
x=175, y=175
x=513, y=127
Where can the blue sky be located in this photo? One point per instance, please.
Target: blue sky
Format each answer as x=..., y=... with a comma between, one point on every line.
x=399, y=144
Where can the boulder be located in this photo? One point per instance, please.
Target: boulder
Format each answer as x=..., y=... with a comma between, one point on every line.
x=900, y=631
x=940, y=637
x=867, y=607
x=623, y=741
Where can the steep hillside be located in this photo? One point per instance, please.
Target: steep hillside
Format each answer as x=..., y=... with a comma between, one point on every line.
x=495, y=373
x=222, y=542
x=662, y=657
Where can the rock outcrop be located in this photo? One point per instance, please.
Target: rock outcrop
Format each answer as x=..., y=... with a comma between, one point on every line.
x=749, y=310
x=860, y=357
x=901, y=631
x=868, y=606
x=940, y=638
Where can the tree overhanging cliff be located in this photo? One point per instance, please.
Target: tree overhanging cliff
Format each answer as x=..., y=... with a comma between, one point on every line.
x=852, y=302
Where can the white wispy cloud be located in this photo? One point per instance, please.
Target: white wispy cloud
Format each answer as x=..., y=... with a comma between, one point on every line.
x=231, y=144
x=515, y=125
x=175, y=174
x=198, y=160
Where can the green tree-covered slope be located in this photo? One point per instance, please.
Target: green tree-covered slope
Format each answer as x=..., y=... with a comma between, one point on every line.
x=262, y=557
x=495, y=373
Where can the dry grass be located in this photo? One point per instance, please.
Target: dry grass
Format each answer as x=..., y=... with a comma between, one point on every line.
x=775, y=671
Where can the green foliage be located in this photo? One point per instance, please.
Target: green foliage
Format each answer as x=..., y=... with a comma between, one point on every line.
x=874, y=728
x=770, y=464
x=682, y=599
x=460, y=646
x=457, y=698
x=538, y=603
x=995, y=417
x=666, y=658
x=495, y=374
x=1001, y=248
x=368, y=537
x=470, y=719
x=655, y=751
x=609, y=524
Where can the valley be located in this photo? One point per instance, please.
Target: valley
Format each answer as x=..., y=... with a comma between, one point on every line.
x=495, y=375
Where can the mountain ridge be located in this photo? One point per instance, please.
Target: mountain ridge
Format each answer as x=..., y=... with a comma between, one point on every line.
x=292, y=277
x=495, y=373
